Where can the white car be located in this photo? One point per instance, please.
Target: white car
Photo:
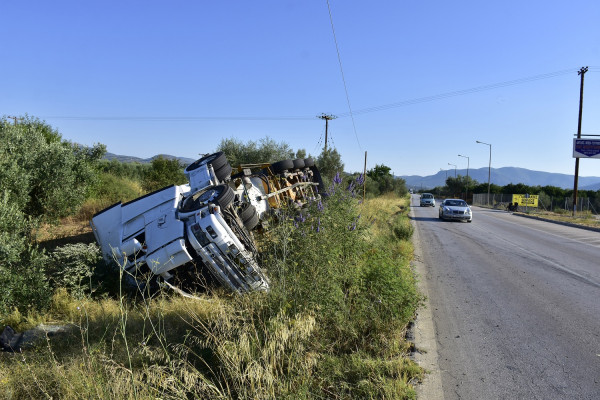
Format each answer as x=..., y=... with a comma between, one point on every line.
x=456, y=209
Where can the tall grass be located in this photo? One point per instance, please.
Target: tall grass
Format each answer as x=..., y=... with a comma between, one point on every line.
x=332, y=326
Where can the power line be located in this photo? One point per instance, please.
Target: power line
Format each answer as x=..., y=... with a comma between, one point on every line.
x=460, y=92
x=178, y=119
x=342, y=72
x=383, y=107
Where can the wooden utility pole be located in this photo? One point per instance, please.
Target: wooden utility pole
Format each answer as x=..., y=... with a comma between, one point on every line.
x=581, y=72
x=326, y=117
x=14, y=118
x=365, y=178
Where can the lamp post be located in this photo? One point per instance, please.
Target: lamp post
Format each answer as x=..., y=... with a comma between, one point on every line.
x=454, y=169
x=467, y=186
x=489, y=169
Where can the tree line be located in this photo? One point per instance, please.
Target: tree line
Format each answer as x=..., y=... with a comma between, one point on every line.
x=457, y=187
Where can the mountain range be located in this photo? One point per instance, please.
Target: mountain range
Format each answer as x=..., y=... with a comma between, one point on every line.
x=111, y=156
x=504, y=176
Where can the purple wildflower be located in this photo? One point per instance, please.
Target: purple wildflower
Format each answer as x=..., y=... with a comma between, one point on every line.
x=337, y=180
x=319, y=225
x=360, y=180
x=320, y=206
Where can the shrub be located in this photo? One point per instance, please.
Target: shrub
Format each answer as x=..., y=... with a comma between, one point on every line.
x=44, y=176
x=321, y=261
x=265, y=151
x=402, y=229
x=111, y=189
x=22, y=272
x=163, y=172
x=72, y=266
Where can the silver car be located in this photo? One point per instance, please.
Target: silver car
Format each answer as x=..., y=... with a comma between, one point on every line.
x=427, y=199
x=455, y=209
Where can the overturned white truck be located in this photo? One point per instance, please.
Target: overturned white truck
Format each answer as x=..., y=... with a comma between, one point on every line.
x=204, y=225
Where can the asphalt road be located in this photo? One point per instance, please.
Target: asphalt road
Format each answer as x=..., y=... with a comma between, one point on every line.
x=515, y=305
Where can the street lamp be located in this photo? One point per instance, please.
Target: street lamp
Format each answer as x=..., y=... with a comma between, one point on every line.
x=454, y=169
x=467, y=188
x=489, y=169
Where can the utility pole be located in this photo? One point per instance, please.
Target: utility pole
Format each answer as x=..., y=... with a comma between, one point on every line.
x=581, y=72
x=454, y=170
x=467, y=185
x=365, y=178
x=489, y=169
x=14, y=118
x=326, y=117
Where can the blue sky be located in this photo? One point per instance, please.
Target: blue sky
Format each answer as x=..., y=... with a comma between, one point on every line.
x=149, y=77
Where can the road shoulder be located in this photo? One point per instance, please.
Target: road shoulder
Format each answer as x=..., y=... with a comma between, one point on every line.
x=426, y=353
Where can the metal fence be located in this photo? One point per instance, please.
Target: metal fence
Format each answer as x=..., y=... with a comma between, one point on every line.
x=545, y=203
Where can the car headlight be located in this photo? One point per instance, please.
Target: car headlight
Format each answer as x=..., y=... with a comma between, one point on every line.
x=468, y=211
x=446, y=209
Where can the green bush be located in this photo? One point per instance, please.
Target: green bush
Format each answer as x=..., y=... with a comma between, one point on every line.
x=321, y=261
x=265, y=151
x=111, y=188
x=131, y=170
x=402, y=229
x=163, y=172
x=22, y=271
x=72, y=266
x=330, y=163
x=44, y=176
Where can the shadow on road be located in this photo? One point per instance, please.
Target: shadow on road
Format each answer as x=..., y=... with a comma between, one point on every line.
x=424, y=218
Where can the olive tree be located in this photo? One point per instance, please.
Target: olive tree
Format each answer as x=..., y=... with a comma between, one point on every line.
x=266, y=150
x=330, y=163
x=163, y=172
x=44, y=175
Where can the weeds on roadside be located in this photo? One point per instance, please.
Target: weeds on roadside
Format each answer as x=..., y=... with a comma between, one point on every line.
x=332, y=325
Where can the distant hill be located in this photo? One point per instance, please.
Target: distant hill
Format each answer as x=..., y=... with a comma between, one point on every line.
x=111, y=156
x=504, y=176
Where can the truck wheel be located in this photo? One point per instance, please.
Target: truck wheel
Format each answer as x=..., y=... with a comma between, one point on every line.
x=223, y=173
x=246, y=211
x=225, y=197
x=221, y=195
x=249, y=216
x=282, y=166
x=309, y=162
x=298, y=163
x=217, y=160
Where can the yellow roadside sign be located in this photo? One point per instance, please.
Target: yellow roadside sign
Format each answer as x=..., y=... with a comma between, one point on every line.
x=525, y=200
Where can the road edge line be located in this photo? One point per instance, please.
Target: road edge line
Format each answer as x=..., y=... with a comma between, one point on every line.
x=426, y=351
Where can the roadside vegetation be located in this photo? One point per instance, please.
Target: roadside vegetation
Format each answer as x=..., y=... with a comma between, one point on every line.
x=332, y=326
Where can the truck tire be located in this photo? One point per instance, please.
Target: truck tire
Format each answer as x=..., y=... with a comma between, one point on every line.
x=298, y=163
x=217, y=160
x=225, y=198
x=282, y=166
x=221, y=195
x=309, y=162
x=249, y=216
x=223, y=173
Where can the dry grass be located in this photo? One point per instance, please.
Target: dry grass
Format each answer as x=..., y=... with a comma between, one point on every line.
x=218, y=347
x=584, y=218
